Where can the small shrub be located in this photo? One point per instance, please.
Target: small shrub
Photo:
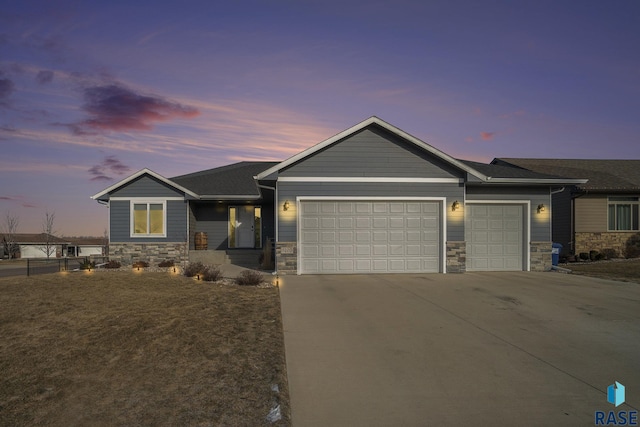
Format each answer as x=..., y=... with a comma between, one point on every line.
x=249, y=278
x=610, y=253
x=140, y=264
x=193, y=269
x=632, y=248
x=87, y=264
x=211, y=274
x=166, y=263
x=113, y=264
x=593, y=255
x=584, y=256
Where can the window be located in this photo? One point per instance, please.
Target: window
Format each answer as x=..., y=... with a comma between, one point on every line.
x=623, y=213
x=148, y=219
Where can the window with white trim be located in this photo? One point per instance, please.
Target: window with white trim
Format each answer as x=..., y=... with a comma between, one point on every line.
x=148, y=219
x=623, y=213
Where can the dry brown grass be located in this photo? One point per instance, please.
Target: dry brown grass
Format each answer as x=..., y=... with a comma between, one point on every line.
x=625, y=270
x=115, y=348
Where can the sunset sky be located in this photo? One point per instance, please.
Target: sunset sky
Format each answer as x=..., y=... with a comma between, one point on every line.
x=92, y=91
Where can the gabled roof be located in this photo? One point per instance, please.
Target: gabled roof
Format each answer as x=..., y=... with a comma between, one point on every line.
x=141, y=172
x=36, y=238
x=231, y=182
x=487, y=174
x=602, y=175
x=363, y=124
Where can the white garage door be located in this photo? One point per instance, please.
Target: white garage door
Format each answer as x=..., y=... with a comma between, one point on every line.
x=494, y=235
x=341, y=237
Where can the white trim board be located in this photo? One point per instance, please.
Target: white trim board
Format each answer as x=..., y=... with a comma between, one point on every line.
x=368, y=179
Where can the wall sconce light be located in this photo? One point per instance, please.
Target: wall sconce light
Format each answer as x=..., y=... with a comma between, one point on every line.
x=455, y=206
x=285, y=207
x=541, y=207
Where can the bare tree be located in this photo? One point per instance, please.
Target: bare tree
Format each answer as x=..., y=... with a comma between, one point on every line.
x=49, y=246
x=9, y=230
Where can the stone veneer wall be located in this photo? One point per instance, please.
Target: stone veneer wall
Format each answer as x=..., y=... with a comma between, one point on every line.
x=286, y=257
x=586, y=242
x=456, y=257
x=540, y=256
x=153, y=253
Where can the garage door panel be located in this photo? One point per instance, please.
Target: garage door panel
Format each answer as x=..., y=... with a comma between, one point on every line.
x=328, y=251
x=346, y=236
x=310, y=237
x=364, y=207
x=378, y=236
x=345, y=222
x=328, y=237
x=328, y=223
x=495, y=237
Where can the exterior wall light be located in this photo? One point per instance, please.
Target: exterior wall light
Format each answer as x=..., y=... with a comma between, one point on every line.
x=455, y=206
x=541, y=207
x=285, y=207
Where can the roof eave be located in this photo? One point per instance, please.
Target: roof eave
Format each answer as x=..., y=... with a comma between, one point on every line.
x=230, y=197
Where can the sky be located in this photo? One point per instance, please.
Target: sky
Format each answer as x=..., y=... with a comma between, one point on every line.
x=93, y=91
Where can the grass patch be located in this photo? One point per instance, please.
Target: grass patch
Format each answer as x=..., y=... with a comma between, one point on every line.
x=624, y=270
x=119, y=348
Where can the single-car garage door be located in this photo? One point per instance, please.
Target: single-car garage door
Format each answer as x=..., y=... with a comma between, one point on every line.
x=341, y=237
x=494, y=235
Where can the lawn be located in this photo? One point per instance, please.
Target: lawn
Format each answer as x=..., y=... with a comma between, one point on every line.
x=118, y=348
x=625, y=270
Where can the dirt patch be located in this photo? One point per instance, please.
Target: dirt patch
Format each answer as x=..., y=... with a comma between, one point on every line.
x=623, y=270
x=139, y=349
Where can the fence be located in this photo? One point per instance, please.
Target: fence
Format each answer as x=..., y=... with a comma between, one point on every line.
x=31, y=266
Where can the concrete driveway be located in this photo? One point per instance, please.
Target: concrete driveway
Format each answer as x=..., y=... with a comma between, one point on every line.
x=459, y=349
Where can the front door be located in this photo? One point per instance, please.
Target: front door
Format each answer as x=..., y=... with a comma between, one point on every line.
x=244, y=226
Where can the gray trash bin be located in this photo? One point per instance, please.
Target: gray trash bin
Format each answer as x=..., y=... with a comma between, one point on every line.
x=555, y=253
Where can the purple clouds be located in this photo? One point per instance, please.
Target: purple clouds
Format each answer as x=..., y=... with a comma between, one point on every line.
x=110, y=165
x=115, y=108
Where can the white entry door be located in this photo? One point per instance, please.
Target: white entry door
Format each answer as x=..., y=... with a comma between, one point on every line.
x=242, y=226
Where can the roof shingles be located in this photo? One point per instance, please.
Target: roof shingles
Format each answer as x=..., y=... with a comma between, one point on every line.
x=603, y=175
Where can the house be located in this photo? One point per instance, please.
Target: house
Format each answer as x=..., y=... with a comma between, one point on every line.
x=86, y=246
x=38, y=246
x=600, y=214
x=371, y=199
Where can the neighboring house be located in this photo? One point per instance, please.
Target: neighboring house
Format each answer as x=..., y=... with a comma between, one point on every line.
x=86, y=246
x=371, y=199
x=35, y=246
x=597, y=215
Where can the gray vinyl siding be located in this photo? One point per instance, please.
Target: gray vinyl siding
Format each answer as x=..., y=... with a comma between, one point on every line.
x=213, y=219
x=591, y=214
x=287, y=227
x=120, y=223
x=146, y=186
x=561, y=219
x=372, y=152
x=540, y=223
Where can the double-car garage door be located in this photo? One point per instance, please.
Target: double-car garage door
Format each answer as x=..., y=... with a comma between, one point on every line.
x=377, y=236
